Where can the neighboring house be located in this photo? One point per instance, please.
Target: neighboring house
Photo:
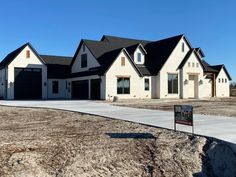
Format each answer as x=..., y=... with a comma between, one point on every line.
x=114, y=66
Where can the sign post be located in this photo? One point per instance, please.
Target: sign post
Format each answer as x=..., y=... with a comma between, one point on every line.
x=183, y=114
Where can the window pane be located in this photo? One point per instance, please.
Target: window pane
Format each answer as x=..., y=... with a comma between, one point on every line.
x=119, y=85
x=126, y=85
x=139, y=57
x=123, y=85
x=146, y=84
x=172, y=83
x=83, y=60
x=175, y=84
x=55, y=88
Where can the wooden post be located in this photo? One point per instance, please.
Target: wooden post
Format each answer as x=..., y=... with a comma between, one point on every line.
x=214, y=85
x=214, y=75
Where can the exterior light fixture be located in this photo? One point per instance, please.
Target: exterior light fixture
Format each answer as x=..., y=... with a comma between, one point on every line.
x=201, y=82
x=185, y=82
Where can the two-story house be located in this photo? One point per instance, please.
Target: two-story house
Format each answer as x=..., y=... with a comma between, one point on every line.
x=114, y=66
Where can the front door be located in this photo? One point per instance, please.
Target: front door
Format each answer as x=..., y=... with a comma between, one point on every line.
x=191, y=86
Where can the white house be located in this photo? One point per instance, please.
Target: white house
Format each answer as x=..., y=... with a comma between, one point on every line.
x=114, y=66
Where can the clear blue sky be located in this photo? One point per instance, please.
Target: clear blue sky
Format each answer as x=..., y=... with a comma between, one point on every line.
x=56, y=26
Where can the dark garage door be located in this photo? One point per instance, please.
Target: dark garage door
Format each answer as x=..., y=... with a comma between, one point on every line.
x=28, y=83
x=80, y=89
x=95, y=89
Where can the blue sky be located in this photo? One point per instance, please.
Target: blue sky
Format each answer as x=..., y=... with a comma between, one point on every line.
x=57, y=26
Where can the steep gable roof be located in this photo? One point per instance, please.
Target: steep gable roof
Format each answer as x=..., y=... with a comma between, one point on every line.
x=190, y=52
x=131, y=49
x=219, y=67
x=108, y=59
x=208, y=68
x=123, y=42
x=157, y=52
x=11, y=56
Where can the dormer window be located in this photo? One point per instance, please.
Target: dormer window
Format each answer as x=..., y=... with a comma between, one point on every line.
x=84, y=61
x=139, y=57
x=183, y=47
x=27, y=54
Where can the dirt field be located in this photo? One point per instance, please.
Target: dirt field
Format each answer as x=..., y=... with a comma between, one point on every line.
x=213, y=106
x=43, y=143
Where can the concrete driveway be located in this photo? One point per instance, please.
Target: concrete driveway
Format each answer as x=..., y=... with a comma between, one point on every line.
x=223, y=128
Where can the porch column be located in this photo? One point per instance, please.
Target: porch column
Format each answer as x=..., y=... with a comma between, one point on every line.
x=214, y=86
x=89, y=89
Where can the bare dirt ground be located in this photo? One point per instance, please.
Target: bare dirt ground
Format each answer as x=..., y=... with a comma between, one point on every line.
x=211, y=106
x=45, y=143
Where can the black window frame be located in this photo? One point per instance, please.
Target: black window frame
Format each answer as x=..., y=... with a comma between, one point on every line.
x=84, y=60
x=123, y=90
x=55, y=87
x=173, y=83
x=146, y=80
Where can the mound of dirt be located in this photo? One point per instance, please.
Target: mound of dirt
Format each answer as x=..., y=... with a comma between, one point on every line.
x=45, y=143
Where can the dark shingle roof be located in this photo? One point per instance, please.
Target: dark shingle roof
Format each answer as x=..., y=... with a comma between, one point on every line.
x=158, y=52
x=106, y=51
x=108, y=58
x=123, y=42
x=144, y=70
x=219, y=67
x=11, y=56
x=57, y=66
x=190, y=52
x=208, y=68
x=57, y=60
x=185, y=58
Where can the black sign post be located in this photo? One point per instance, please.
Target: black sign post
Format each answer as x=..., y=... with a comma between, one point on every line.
x=183, y=115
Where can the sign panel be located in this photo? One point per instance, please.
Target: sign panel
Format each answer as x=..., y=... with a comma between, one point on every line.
x=183, y=114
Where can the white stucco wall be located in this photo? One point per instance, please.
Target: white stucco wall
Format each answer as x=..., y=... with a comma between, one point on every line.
x=171, y=67
x=136, y=83
x=63, y=89
x=222, y=88
x=206, y=88
x=2, y=83
x=135, y=56
x=194, y=69
x=22, y=62
x=91, y=61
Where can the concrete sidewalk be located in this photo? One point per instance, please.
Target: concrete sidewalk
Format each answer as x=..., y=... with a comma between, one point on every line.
x=220, y=127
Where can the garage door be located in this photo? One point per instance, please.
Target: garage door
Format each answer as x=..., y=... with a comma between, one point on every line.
x=95, y=89
x=28, y=83
x=80, y=90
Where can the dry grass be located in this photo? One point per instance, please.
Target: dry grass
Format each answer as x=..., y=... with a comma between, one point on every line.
x=212, y=106
x=44, y=142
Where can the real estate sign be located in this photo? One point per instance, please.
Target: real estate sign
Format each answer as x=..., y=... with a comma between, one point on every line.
x=183, y=114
